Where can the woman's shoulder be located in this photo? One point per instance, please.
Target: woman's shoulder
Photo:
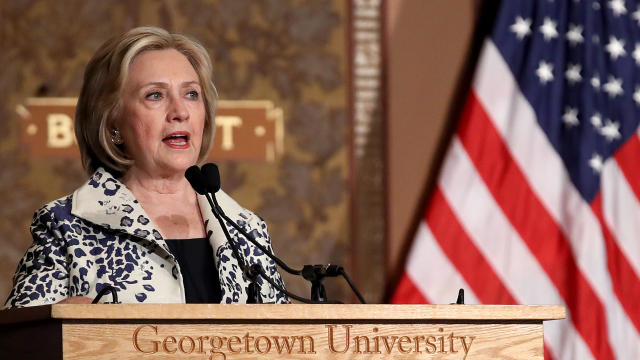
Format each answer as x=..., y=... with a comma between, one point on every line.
x=59, y=209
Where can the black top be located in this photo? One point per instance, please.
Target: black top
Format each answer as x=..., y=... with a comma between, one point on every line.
x=199, y=273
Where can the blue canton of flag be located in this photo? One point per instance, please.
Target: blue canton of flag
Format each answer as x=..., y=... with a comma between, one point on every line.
x=577, y=63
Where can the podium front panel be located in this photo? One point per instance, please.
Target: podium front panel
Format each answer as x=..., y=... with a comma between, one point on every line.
x=275, y=332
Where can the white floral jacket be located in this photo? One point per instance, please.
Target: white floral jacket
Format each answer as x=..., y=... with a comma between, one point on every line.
x=100, y=235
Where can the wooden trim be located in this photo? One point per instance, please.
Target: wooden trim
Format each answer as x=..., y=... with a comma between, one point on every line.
x=288, y=312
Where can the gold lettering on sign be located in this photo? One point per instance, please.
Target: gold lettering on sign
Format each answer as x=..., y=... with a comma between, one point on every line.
x=227, y=123
x=60, y=131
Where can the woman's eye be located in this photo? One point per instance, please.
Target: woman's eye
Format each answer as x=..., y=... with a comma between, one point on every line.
x=193, y=94
x=154, y=95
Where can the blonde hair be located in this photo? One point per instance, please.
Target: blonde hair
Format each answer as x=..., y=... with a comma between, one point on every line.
x=99, y=103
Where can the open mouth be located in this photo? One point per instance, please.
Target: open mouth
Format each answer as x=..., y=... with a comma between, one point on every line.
x=177, y=139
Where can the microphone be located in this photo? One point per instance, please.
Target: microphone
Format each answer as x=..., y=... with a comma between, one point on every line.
x=313, y=273
x=211, y=177
x=196, y=179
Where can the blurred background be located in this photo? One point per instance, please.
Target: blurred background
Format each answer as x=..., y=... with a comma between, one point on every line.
x=364, y=88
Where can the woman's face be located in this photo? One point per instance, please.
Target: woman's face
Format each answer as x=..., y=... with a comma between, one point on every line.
x=163, y=113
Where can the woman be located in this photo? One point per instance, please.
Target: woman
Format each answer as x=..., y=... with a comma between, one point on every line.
x=145, y=114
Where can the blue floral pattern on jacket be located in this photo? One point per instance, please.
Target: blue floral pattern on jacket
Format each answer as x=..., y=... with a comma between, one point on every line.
x=100, y=235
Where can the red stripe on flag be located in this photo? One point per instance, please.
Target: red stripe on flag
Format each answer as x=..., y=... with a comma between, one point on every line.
x=407, y=293
x=463, y=253
x=536, y=227
x=625, y=282
x=547, y=353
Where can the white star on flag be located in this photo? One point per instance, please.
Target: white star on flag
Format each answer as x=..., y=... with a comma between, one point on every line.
x=636, y=15
x=596, y=120
x=636, y=96
x=615, y=48
x=613, y=87
x=570, y=117
x=573, y=73
x=595, y=82
x=544, y=72
x=596, y=163
x=636, y=53
x=522, y=27
x=617, y=6
x=548, y=29
x=574, y=35
x=610, y=130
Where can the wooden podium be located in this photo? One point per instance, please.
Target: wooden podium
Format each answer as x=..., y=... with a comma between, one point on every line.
x=202, y=331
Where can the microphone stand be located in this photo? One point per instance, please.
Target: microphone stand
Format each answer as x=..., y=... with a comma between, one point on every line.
x=107, y=289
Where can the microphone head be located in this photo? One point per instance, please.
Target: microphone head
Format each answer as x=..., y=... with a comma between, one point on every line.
x=196, y=179
x=212, y=177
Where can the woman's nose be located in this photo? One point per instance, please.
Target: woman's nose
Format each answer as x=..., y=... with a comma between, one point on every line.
x=178, y=110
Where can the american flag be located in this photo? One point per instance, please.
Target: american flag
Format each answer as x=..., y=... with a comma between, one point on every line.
x=537, y=201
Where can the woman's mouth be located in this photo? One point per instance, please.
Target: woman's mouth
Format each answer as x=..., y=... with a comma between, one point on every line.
x=177, y=140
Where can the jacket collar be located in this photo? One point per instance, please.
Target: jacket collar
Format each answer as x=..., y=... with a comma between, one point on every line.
x=105, y=201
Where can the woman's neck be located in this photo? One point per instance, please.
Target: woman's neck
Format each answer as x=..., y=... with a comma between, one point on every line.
x=170, y=202
x=143, y=183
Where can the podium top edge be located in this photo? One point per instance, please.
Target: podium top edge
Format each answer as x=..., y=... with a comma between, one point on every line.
x=285, y=312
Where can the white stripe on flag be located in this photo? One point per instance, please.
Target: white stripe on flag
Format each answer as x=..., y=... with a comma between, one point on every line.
x=621, y=212
x=515, y=120
x=503, y=248
x=432, y=272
